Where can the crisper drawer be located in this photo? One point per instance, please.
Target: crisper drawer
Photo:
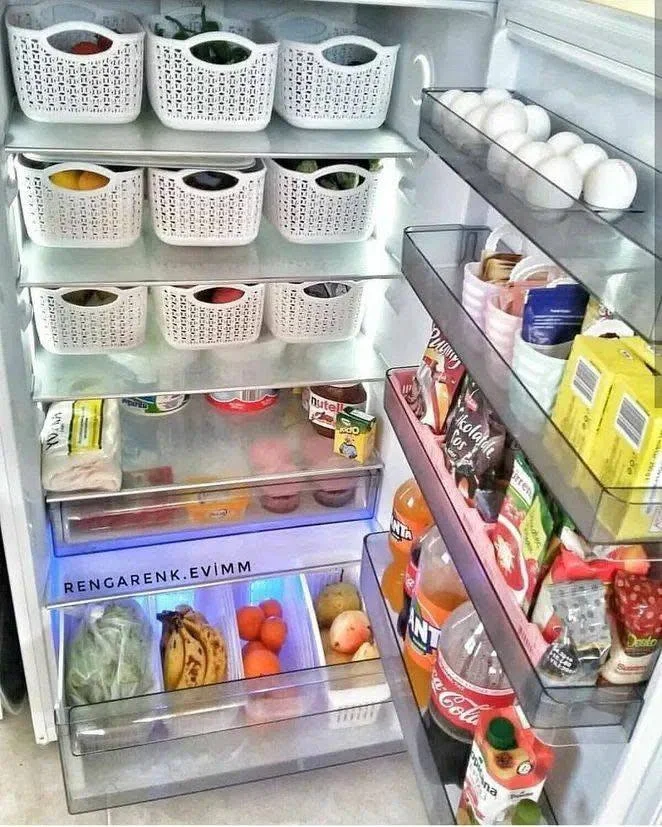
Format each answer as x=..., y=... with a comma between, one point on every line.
x=158, y=743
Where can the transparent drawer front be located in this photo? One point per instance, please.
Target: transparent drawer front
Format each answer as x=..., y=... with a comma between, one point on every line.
x=144, y=519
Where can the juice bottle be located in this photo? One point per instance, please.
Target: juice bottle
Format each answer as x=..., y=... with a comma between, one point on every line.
x=438, y=591
x=410, y=519
x=393, y=584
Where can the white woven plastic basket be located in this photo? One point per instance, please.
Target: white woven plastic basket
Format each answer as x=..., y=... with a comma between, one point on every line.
x=295, y=316
x=58, y=217
x=55, y=86
x=183, y=214
x=188, y=323
x=68, y=328
x=306, y=212
x=317, y=87
x=189, y=93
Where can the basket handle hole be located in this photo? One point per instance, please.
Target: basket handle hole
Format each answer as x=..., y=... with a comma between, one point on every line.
x=220, y=52
x=89, y=298
x=81, y=42
x=211, y=180
x=219, y=295
x=349, y=54
x=326, y=289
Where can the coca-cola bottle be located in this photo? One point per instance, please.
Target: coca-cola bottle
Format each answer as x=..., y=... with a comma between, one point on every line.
x=467, y=678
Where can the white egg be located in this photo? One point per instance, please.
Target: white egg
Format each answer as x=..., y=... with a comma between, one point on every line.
x=468, y=137
x=505, y=117
x=477, y=115
x=539, y=126
x=497, y=159
x=586, y=156
x=492, y=96
x=449, y=96
x=530, y=154
x=564, y=142
x=610, y=185
x=465, y=102
x=562, y=172
x=439, y=116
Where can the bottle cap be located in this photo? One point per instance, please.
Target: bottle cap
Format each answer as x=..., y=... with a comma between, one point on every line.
x=501, y=734
x=526, y=812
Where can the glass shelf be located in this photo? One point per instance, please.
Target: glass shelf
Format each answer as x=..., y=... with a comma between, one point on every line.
x=566, y=714
x=149, y=261
x=430, y=750
x=146, y=142
x=174, y=448
x=612, y=253
x=432, y=261
x=155, y=367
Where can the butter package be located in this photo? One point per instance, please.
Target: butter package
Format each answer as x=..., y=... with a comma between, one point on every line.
x=593, y=366
x=627, y=453
x=355, y=434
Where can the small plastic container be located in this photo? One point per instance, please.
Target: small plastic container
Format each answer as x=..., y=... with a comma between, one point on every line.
x=56, y=86
x=189, y=93
x=307, y=213
x=294, y=315
x=184, y=214
x=330, y=75
x=68, y=327
x=55, y=216
x=189, y=323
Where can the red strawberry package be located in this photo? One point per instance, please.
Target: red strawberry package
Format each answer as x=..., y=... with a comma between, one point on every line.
x=638, y=628
x=436, y=382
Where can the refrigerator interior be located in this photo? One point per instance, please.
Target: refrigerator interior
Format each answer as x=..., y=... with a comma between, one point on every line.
x=464, y=44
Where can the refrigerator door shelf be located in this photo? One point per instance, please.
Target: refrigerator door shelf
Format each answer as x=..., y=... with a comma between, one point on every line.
x=166, y=743
x=564, y=714
x=611, y=252
x=433, y=263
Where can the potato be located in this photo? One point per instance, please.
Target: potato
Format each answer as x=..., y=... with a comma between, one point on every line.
x=366, y=651
x=349, y=630
x=330, y=656
x=335, y=599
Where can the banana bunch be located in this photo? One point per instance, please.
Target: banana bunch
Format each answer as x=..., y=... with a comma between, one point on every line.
x=193, y=653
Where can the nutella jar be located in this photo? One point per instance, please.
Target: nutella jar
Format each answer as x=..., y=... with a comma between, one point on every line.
x=323, y=402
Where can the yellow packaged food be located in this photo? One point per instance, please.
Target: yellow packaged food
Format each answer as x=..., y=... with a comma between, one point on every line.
x=627, y=454
x=216, y=506
x=643, y=349
x=355, y=434
x=593, y=366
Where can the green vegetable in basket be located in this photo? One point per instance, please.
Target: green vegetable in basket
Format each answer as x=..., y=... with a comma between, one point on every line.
x=221, y=53
x=110, y=655
x=308, y=165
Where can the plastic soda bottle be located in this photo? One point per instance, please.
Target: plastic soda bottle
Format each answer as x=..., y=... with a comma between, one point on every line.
x=410, y=519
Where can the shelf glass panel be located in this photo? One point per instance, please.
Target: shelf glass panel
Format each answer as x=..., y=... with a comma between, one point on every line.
x=170, y=453
x=433, y=263
x=150, y=261
x=146, y=142
x=155, y=367
x=614, y=254
x=566, y=714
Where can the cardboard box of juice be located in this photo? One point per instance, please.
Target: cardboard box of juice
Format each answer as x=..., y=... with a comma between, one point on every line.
x=354, y=436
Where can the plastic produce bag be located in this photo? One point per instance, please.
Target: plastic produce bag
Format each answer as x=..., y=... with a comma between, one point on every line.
x=109, y=656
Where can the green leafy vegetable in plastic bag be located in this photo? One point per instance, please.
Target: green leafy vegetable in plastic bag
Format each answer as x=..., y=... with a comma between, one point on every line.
x=110, y=655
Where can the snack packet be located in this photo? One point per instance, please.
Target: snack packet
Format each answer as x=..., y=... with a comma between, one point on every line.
x=436, y=382
x=637, y=628
x=553, y=314
x=474, y=446
x=522, y=533
x=507, y=763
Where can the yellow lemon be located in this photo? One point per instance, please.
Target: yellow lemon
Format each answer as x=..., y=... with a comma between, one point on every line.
x=67, y=179
x=91, y=181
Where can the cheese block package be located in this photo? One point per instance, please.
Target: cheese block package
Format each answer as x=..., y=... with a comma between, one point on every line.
x=507, y=764
x=436, y=382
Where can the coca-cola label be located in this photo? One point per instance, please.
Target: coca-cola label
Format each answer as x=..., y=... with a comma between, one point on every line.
x=460, y=701
x=410, y=578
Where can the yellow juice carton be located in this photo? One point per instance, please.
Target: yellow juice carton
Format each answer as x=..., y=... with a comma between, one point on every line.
x=648, y=353
x=355, y=434
x=627, y=454
x=592, y=368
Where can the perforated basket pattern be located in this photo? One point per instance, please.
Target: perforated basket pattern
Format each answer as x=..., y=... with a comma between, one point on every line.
x=55, y=86
x=188, y=93
x=183, y=214
x=294, y=316
x=57, y=217
x=313, y=91
x=67, y=328
x=307, y=213
x=187, y=323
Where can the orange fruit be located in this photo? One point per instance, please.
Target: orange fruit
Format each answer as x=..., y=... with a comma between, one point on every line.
x=253, y=646
x=91, y=180
x=271, y=608
x=249, y=621
x=261, y=662
x=273, y=633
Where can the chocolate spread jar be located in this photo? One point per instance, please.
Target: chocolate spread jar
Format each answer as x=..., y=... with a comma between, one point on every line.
x=323, y=402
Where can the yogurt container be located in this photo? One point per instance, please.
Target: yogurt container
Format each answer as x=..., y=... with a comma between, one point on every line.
x=158, y=405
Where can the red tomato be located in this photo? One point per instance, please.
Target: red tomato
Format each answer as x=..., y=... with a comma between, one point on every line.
x=85, y=47
x=223, y=295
